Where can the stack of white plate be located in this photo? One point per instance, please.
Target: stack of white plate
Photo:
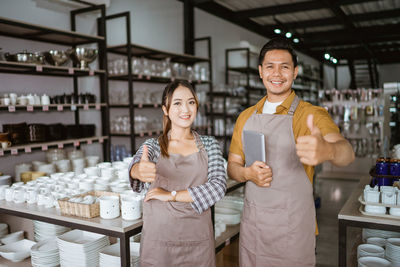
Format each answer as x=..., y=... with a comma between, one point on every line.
x=111, y=256
x=366, y=250
x=44, y=230
x=45, y=253
x=81, y=248
x=378, y=233
x=373, y=262
x=3, y=229
x=393, y=251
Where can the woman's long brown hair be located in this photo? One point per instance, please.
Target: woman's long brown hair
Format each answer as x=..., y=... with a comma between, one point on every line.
x=169, y=90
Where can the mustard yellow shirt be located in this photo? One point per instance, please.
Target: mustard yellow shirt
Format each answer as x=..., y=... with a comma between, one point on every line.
x=322, y=120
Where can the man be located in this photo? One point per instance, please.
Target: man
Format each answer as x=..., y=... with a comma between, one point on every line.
x=278, y=222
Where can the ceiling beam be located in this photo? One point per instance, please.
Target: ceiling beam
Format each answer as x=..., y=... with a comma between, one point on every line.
x=290, y=8
x=387, y=14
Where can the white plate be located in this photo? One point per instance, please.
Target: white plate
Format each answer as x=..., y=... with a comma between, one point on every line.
x=80, y=237
x=12, y=238
x=365, y=250
x=17, y=251
x=374, y=262
x=375, y=209
x=379, y=241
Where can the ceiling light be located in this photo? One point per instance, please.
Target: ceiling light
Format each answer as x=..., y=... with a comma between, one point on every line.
x=277, y=31
x=288, y=34
x=327, y=56
x=296, y=40
x=334, y=60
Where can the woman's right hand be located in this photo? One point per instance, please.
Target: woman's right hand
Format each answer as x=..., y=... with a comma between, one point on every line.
x=144, y=170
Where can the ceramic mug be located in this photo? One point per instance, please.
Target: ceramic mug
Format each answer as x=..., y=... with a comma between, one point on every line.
x=3, y=191
x=31, y=196
x=8, y=194
x=130, y=208
x=109, y=207
x=5, y=144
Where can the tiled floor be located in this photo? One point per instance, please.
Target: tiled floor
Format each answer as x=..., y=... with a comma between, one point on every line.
x=333, y=193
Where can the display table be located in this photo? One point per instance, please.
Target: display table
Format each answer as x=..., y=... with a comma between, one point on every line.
x=116, y=227
x=350, y=215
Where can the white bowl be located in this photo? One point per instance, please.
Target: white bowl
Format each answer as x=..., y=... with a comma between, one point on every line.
x=366, y=250
x=13, y=237
x=379, y=241
x=375, y=209
x=227, y=216
x=374, y=262
x=17, y=251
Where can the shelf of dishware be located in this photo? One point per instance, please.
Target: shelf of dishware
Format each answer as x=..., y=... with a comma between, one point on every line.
x=39, y=69
x=151, y=79
x=52, y=107
x=44, y=146
x=230, y=234
x=24, y=30
x=151, y=53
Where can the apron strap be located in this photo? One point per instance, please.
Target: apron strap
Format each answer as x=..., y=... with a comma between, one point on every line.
x=198, y=141
x=294, y=105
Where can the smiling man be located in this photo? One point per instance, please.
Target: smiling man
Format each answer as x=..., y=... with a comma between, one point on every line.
x=278, y=222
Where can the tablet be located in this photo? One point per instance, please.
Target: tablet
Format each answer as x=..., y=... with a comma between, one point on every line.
x=254, y=147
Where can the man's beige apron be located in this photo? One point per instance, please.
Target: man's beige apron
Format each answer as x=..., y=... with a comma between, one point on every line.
x=278, y=223
x=173, y=233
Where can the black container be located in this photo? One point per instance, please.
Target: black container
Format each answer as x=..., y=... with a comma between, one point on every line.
x=18, y=133
x=57, y=131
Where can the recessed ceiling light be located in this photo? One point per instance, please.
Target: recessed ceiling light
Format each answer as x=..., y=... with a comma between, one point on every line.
x=327, y=56
x=277, y=31
x=296, y=40
x=288, y=34
x=334, y=60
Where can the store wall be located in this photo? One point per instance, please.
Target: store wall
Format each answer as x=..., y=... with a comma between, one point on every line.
x=154, y=23
x=389, y=73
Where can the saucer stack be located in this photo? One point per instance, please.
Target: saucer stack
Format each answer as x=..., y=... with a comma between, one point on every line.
x=111, y=256
x=45, y=231
x=45, y=253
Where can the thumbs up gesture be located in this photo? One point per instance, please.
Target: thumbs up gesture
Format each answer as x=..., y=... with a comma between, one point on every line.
x=313, y=149
x=144, y=170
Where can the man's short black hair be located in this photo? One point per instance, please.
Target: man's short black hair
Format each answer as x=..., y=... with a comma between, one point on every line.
x=277, y=43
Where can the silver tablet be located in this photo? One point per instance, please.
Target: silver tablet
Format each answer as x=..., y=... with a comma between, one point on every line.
x=254, y=147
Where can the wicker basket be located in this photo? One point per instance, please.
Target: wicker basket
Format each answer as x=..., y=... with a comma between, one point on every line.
x=80, y=209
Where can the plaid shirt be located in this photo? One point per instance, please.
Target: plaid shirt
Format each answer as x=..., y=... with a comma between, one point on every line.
x=204, y=196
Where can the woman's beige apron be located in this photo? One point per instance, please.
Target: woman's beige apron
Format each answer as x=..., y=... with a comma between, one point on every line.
x=278, y=223
x=173, y=233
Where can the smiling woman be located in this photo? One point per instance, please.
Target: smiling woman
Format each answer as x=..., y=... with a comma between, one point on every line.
x=185, y=176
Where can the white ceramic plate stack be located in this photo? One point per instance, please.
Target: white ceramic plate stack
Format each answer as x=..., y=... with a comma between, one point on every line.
x=228, y=210
x=44, y=230
x=111, y=256
x=12, y=238
x=378, y=233
x=45, y=253
x=373, y=262
x=366, y=250
x=17, y=251
x=393, y=251
x=81, y=248
x=3, y=229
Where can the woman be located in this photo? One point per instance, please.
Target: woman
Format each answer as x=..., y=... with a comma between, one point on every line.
x=187, y=177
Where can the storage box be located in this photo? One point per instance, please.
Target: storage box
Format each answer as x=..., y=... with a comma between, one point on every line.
x=83, y=210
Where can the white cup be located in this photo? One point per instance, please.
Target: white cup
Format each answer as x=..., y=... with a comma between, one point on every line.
x=130, y=208
x=109, y=207
x=91, y=171
x=31, y=196
x=3, y=191
x=45, y=100
x=19, y=195
x=92, y=160
x=8, y=194
x=107, y=172
x=104, y=165
x=6, y=101
x=31, y=99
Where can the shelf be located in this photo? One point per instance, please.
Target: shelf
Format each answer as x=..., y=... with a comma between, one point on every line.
x=149, y=79
x=27, y=148
x=218, y=114
x=225, y=94
x=35, y=69
x=135, y=106
x=147, y=52
x=231, y=233
x=150, y=133
x=23, y=30
x=307, y=77
x=53, y=107
x=252, y=88
x=245, y=70
x=232, y=185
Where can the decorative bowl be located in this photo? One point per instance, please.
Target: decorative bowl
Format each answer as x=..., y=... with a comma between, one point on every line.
x=82, y=56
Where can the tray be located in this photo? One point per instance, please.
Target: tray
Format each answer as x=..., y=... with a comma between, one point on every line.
x=80, y=209
x=361, y=200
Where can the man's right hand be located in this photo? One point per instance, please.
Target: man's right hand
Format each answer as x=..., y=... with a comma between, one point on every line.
x=144, y=170
x=259, y=173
